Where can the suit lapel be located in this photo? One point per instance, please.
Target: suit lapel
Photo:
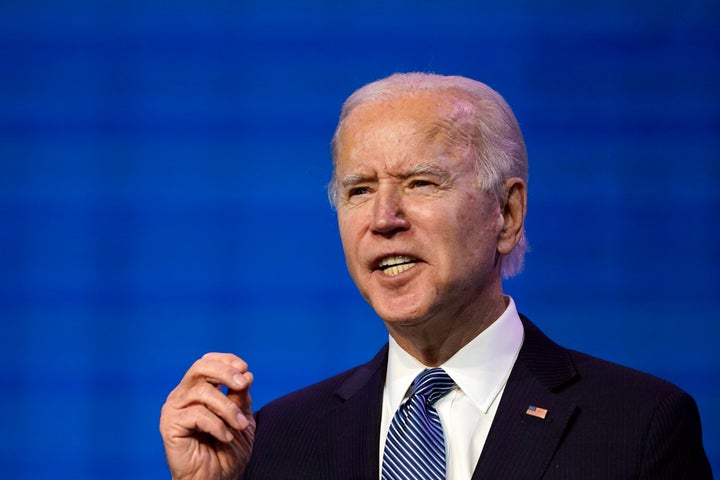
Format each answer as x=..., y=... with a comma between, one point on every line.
x=520, y=445
x=353, y=426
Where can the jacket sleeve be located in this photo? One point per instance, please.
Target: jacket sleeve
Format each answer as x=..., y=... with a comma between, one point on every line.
x=674, y=448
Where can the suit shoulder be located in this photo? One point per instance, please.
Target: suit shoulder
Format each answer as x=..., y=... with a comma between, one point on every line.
x=325, y=393
x=558, y=368
x=311, y=394
x=621, y=379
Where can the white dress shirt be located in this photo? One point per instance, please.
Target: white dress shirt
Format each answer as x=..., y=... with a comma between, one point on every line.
x=480, y=370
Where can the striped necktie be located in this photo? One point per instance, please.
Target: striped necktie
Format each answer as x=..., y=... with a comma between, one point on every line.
x=415, y=445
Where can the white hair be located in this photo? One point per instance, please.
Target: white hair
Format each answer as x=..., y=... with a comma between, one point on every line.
x=479, y=116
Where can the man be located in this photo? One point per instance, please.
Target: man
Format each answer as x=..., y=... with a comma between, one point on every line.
x=429, y=184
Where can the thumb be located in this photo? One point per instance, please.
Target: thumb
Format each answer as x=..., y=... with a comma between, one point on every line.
x=242, y=397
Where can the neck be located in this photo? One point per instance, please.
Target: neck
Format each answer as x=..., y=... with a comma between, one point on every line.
x=434, y=341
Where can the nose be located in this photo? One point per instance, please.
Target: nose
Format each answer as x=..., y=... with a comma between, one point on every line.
x=388, y=215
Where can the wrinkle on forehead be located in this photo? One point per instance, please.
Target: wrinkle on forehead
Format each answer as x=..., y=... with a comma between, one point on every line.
x=395, y=142
x=442, y=124
x=456, y=129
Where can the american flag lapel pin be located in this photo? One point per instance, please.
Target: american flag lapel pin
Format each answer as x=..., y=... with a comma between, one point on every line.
x=538, y=412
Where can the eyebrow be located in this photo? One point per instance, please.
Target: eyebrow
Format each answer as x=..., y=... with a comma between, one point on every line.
x=427, y=169
x=353, y=179
x=421, y=169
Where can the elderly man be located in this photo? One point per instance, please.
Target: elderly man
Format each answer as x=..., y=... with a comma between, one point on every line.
x=429, y=184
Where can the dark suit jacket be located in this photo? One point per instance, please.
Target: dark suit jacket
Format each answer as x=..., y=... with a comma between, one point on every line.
x=604, y=421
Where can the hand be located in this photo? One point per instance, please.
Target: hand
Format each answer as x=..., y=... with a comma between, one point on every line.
x=208, y=435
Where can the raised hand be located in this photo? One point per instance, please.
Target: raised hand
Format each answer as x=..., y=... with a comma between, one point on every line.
x=209, y=435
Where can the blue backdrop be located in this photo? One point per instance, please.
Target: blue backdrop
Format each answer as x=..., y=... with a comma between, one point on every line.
x=162, y=175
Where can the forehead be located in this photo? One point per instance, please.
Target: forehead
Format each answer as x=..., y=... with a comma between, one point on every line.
x=406, y=111
x=399, y=126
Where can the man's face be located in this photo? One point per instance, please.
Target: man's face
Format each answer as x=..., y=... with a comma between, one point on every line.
x=419, y=237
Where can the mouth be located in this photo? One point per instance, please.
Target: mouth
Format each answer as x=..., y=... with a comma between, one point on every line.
x=396, y=264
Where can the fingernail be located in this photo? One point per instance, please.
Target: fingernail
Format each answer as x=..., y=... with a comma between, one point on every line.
x=239, y=380
x=243, y=421
x=229, y=436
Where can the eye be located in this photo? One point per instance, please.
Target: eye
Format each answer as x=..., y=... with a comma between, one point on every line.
x=419, y=183
x=355, y=191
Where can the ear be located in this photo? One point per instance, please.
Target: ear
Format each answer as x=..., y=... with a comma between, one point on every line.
x=513, y=208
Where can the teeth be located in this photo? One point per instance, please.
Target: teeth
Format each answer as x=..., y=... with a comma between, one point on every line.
x=396, y=264
x=397, y=269
x=394, y=260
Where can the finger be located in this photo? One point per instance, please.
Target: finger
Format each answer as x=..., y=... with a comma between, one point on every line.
x=217, y=369
x=194, y=419
x=228, y=358
x=242, y=397
x=215, y=401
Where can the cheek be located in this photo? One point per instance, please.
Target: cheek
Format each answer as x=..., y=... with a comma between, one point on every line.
x=344, y=222
x=345, y=241
x=349, y=237
x=478, y=233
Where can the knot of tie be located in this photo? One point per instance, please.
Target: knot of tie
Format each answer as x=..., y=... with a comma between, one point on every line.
x=432, y=385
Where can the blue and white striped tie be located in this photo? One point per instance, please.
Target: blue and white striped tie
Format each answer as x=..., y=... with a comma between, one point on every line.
x=415, y=445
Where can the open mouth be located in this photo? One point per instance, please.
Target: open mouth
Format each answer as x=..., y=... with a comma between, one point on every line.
x=396, y=264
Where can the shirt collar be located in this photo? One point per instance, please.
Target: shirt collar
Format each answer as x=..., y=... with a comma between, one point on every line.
x=480, y=369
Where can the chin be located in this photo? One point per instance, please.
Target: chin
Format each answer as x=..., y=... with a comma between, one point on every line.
x=401, y=317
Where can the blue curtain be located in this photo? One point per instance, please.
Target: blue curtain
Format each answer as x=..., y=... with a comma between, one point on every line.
x=162, y=194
